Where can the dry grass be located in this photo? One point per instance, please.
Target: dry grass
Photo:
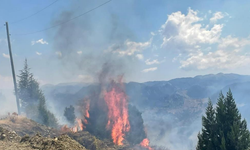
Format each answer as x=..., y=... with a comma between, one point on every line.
x=22, y=126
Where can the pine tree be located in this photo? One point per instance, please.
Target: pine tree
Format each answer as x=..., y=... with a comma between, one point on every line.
x=207, y=137
x=229, y=131
x=235, y=130
x=23, y=84
x=200, y=144
x=220, y=121
x=33, y=102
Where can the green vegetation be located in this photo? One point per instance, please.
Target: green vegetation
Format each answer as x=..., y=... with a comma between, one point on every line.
x=223, y=128
x=32, y=99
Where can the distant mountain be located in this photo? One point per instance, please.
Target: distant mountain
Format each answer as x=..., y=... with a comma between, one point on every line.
x=169, y=108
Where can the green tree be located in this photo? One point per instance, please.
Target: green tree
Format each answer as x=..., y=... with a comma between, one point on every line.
x=23, y=85
x=69, y=114
x=207, y=137
x=33, y=102
x=230, y=131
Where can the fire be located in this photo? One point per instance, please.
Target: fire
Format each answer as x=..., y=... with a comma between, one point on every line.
x=77, y=127
x=145, y=144
x=79, y=123
x=86, y=112
x=118, y=122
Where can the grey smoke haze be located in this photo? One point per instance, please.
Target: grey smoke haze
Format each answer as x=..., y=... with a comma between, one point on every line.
x=83, y=44
x=7, y=102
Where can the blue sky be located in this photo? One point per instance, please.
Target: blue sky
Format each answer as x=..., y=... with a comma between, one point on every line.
x=155, y=40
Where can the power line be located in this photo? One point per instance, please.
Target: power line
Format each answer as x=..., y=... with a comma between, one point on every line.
x=67, y=20
x=34, y=13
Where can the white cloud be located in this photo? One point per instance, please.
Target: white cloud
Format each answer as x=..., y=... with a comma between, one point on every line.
x=6, y=55
x=184, y=32
x=216, y=16
x=220, y=59
x=149, y=69
x=129, y=47
x=79, y=52
x=200, y=45
x=38, y=53
x=231, y=42
x=41, y=41
x=148, y=62
x=59, y=54
x=139, y=56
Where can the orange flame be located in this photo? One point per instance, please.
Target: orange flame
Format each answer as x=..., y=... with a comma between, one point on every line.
x=86, y=112
x=79, y=123
x=145, y=144
x=77, y=127
x=116, y=100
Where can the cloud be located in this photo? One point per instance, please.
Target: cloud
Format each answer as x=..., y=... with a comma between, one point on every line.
x=129, y=47
x=58, y=53
x=200, y=46
x=148, y=62
x=38, y=53
x=79, y=52
x=216, y=16
x=185, y=32
x=6, y=55
x=41, y=41
x=220, y=59
x=139, y=56
x=149, y=69
x=232, y=42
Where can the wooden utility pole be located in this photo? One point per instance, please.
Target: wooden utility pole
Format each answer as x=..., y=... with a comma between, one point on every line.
x=13, y=69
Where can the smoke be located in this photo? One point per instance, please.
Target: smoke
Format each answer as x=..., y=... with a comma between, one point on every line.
x=82, y=44
x=7, y=102
x=166, y=130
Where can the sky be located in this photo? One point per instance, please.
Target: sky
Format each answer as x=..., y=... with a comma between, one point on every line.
x=154, y=40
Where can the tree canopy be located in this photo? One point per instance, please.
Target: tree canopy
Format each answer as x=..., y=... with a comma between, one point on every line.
x=32, y=99
x=222, y=127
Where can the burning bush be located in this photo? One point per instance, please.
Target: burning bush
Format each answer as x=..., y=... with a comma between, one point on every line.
x=109, y=116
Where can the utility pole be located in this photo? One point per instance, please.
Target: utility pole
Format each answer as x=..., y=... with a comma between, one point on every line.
x=13, y=69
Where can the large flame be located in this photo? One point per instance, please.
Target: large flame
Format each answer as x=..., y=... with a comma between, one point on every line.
x=118, y=122
x=145, y=144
